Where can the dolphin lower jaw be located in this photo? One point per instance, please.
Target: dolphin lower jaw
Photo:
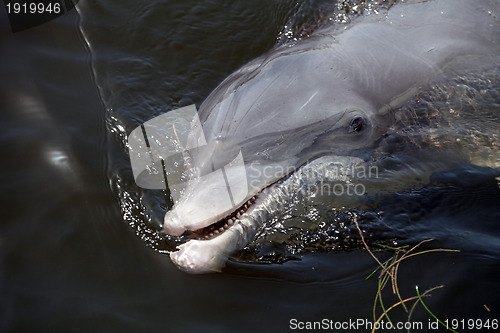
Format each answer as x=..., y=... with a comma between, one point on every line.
x=207, y=255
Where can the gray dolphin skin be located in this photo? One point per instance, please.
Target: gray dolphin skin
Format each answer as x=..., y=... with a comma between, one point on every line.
x=303, y=107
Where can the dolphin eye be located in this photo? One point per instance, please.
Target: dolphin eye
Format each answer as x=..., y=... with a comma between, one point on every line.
x=357, y=124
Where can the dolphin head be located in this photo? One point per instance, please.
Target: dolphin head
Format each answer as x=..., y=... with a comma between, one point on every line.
x=261, y=124
x=331, y=94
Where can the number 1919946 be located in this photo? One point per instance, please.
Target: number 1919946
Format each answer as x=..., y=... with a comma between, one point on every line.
x=33, y=8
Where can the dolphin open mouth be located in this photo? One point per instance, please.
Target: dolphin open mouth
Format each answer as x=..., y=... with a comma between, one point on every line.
x=224, y=224
x=207, y=249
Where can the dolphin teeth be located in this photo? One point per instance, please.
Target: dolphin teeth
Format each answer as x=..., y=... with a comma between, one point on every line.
x=221, y=226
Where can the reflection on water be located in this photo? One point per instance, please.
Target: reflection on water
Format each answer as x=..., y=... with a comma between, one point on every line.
x=78, y=238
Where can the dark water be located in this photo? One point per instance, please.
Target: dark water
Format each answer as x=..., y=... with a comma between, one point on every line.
x=78, y=248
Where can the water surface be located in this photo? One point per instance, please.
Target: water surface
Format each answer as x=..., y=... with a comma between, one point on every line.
x=79, y=248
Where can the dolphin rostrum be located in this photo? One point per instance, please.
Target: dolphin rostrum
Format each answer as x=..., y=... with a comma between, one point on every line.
x=306, y=107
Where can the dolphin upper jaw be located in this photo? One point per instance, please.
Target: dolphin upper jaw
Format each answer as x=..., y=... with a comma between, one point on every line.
x=214, y=196
x=173, y=225
x=208, y=198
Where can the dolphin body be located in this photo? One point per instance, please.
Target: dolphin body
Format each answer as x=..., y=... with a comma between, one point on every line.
x=322, y=101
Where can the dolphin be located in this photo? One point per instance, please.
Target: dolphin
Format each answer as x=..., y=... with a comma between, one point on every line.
x=327, y=100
